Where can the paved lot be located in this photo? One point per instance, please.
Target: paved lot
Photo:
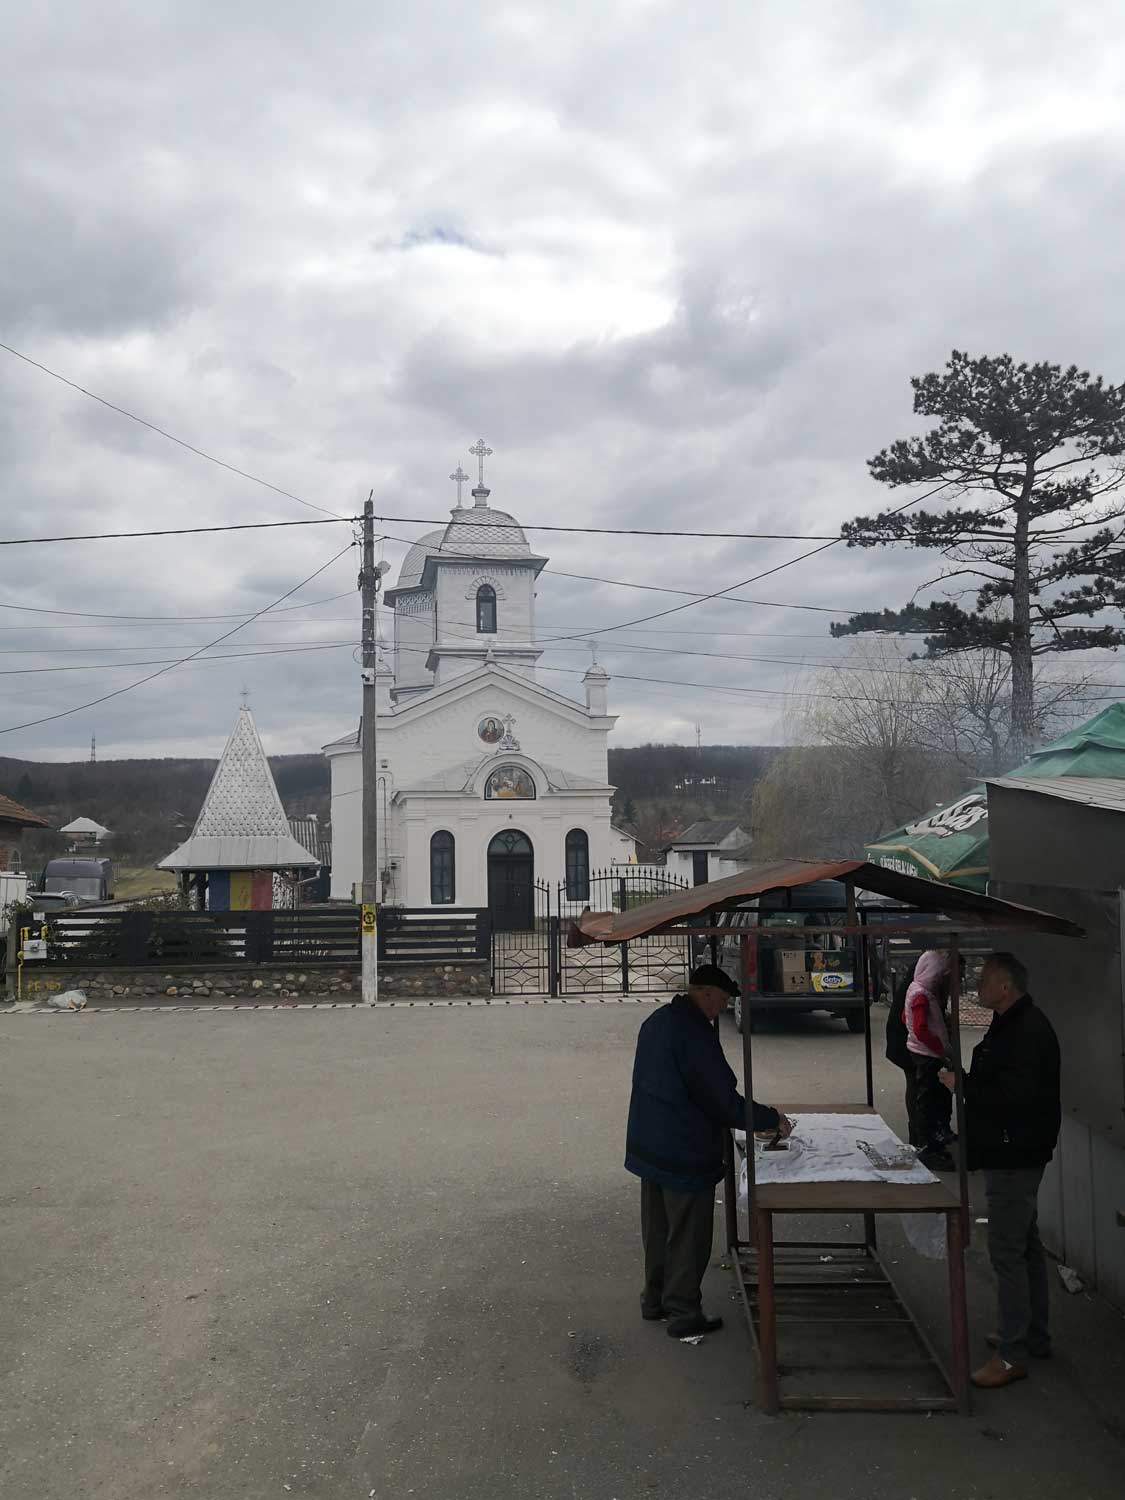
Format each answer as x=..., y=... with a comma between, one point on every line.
x=347, y=1254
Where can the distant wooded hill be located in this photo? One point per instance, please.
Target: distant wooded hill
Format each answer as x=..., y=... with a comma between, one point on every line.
x=151, y=804
x=146, y=803
x=661, y=789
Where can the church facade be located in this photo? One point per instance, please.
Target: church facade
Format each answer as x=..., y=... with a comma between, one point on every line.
x=488, y=780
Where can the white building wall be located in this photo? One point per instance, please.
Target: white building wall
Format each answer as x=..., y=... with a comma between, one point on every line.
x=456, y=594
x=414, y=634
x=420, y=745
x=404, y=843
x=474, y=823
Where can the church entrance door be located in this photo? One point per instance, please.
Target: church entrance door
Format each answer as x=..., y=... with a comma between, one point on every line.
x=511, y=882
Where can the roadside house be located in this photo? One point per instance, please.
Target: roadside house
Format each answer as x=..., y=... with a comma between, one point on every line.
x=708, y=850
x=14, y=818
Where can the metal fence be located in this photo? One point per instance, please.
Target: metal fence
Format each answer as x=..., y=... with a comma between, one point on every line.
x=304, y=935
x=537, y=961
x=437, y=935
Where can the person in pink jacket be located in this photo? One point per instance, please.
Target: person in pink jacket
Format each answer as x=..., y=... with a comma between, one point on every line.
x=927, y=1040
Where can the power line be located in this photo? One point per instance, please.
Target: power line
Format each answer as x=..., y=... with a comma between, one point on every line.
x=722, y=536
x=768, y=572
x=181, y=661
x=172, y=438
x=267, y=648
x=116, y=666
x=90, y=614
x=657, y=588
x=777, y=692
x=117, y=536
x=767, y=692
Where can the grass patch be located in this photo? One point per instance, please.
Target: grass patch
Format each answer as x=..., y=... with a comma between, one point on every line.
x=133, y=882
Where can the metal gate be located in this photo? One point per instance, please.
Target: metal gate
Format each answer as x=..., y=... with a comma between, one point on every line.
x=523, y=960
x=650, y=965
x=537, y=961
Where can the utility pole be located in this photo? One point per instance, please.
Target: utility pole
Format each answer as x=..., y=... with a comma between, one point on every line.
x=369, y=579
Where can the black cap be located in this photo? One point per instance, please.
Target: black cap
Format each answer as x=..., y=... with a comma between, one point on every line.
x=711, y=974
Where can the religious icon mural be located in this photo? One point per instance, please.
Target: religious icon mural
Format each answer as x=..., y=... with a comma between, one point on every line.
x=510, y=784
x=491, y=730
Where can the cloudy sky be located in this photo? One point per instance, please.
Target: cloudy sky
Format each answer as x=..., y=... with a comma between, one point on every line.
x=676, y=264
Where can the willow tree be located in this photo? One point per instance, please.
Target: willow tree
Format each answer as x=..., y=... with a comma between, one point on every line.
x=1040, y=449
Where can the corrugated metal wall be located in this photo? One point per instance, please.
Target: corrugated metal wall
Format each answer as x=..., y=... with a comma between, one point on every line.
x=1069, y=859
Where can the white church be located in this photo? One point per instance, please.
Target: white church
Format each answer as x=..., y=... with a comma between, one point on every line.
x=488, y=780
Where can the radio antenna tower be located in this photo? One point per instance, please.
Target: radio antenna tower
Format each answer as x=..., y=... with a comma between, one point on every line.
x=93, y=749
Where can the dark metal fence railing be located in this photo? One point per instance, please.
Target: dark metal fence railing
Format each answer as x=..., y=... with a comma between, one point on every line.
x=306, y=936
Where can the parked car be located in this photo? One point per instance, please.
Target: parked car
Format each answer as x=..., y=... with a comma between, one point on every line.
x=88, y=879
x=49, y=902
x=812, y=971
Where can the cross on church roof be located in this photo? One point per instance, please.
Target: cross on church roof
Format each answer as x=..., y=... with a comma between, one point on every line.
x=459, y=477
x=480, y=453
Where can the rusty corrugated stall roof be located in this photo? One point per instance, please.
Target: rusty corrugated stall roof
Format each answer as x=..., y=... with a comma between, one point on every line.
x=968, y=908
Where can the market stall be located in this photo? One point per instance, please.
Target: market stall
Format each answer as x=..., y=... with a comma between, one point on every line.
x=833, y=1296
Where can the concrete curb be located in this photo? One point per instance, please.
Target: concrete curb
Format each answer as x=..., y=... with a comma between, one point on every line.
x=498, y=1003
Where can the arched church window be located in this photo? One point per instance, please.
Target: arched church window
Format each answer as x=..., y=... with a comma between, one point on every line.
x=486, y=610
x=510, y=784
x=577, y=865
x=443, y=883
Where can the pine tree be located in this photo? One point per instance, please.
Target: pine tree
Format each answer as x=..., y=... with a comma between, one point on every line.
x=1045, y=447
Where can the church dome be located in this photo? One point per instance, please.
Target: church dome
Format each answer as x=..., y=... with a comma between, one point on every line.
x=482, y=532
x=410, y=574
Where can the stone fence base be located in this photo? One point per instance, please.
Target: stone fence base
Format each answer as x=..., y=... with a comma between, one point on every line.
x=252, y=982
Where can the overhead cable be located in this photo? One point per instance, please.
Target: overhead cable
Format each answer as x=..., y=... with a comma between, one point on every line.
x=181, y=661
x=171, y=436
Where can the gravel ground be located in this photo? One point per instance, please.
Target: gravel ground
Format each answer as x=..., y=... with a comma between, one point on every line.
x=345, y=1254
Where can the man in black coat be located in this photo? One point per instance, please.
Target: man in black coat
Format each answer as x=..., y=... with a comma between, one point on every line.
x=1012, y=1118
x=685, y=1095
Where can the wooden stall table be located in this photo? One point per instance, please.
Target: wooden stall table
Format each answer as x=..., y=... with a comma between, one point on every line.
x=844, y=1289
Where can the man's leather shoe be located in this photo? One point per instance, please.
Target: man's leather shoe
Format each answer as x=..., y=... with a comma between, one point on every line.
x=687, y=1328
x=937, y=1159
x=993, y=1342
x=998, y=1372
x=652, y=1314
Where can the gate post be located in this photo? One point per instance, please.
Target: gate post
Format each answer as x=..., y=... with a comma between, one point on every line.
x=554, y=955
x=135, y=928
x=623, y=896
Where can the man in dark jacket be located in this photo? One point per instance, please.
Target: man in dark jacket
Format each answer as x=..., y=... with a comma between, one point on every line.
x=1012, y=1116
x=685, y=1095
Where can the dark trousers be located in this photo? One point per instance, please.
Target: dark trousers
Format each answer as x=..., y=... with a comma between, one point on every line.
x=911, y=1074
x=933, y=1103
x=1016, y=1253
x=677, y=1230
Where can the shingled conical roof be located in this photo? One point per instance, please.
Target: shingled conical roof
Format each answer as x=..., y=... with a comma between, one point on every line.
x=242, y=824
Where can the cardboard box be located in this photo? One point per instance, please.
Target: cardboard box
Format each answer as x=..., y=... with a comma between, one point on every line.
x=794, y=973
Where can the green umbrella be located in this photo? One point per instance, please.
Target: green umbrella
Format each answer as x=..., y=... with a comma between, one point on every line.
x=951, y=844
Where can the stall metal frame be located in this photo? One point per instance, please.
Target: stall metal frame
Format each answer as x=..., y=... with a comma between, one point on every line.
x=792, y=1281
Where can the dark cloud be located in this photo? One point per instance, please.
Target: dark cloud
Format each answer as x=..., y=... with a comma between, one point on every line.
x=678, y=274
